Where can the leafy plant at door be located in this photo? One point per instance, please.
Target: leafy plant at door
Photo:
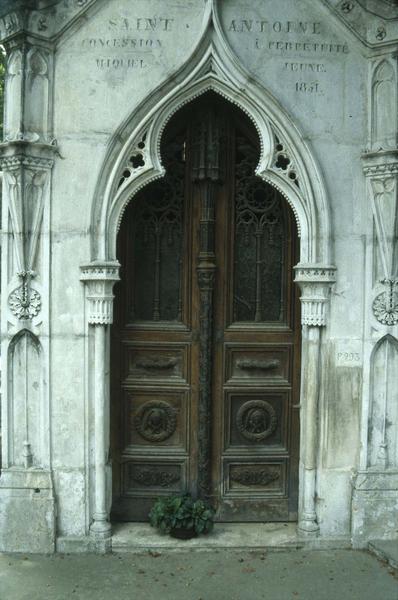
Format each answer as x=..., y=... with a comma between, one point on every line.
x=181, y=512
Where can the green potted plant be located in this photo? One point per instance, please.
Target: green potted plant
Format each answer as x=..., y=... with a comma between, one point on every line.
x=182, y=516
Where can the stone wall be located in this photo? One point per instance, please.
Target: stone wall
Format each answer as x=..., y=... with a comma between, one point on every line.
x=91, y=84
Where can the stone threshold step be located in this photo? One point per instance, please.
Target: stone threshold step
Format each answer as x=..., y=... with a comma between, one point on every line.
x=139, y=537
x=386, y=550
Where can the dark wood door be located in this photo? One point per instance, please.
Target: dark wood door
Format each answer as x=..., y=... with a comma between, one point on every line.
x=205, y=344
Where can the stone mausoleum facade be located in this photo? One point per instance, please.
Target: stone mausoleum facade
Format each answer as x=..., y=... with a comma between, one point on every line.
x=199, y=266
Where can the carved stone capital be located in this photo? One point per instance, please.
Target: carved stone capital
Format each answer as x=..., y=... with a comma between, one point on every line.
x=22, y=153
x=100, y=278
x=27, y=92
x=26, y=177
x=315, y=282
x=380, y=164
x=12, y=22
x=381, y=169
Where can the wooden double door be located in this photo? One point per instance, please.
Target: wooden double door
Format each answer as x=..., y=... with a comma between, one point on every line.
x=205, y=344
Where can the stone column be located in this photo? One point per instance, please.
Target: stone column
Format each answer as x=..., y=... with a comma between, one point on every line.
x=315, y=282
x=100, y=278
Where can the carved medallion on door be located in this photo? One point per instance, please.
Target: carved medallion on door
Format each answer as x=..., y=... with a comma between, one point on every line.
x=205, y=345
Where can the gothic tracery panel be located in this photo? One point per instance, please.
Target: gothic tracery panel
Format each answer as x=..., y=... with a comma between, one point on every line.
x=383, y=434
x=157, y=243
x=259, y=243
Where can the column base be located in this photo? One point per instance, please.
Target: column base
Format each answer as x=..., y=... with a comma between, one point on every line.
x=308, y=528
x=101, y=536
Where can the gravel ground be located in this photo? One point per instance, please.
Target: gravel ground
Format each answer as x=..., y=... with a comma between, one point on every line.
x=213, y=575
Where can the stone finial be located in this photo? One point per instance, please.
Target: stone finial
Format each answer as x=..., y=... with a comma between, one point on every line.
x=100, y=278
x=315, y=282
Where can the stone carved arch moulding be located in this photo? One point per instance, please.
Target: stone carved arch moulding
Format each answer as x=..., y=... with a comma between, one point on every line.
x=285, y=162
x=133, y=161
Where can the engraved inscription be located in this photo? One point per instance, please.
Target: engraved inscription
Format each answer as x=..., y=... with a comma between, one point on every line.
x=315, y=47
x=118, y=63
x=291, y=38
x=349, y=353
x=348, y=356
x=130, y=44
x=265, y=26
x=141, y=24
x=297, y=67
x=312, y=87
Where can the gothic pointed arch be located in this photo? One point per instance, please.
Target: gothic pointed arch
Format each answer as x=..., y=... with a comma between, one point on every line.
x=133, y=158
x=383, y=415
x=25, y=388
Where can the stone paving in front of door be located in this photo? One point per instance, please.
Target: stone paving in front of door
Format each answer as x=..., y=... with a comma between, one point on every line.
x=220, y=574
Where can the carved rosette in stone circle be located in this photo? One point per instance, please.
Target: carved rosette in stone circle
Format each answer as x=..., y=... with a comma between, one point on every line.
x=25, y=303
x=385, y=311
x=156, y=421
x=256, y=420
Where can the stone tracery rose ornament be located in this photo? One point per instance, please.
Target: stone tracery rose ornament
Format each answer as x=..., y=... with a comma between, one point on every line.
x=256, y=420
x=381, y=32
x=25, y=303
x=156, y=421
x=385, y=308
x=347, y=7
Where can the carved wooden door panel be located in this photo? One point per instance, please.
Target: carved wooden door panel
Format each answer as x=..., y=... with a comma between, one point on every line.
x=256, y=347
x=205, y=351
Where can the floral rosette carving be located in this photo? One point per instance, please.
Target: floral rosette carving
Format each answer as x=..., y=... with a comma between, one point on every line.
x=385, y=305
x=384, y=312
x=25, y=303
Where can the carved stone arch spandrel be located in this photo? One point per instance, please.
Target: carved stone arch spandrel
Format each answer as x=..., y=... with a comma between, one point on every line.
x=133, y=160
x=212, y=67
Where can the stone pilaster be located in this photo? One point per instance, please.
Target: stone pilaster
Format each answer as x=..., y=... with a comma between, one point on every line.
x=375, y=489
x=315, y=282
x=27, y=156
x=381, y=171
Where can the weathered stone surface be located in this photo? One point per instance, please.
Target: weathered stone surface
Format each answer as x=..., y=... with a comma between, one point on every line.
x=27, y=512
x=374, y=507
x=92, y=82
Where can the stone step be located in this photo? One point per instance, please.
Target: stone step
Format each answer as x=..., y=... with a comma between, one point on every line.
x=386, y=550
